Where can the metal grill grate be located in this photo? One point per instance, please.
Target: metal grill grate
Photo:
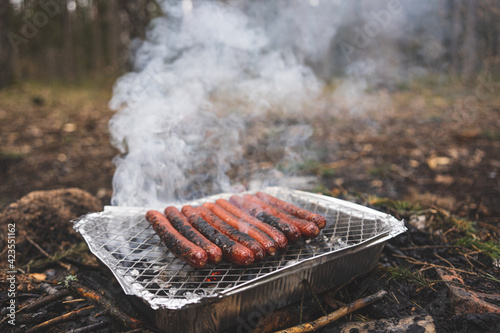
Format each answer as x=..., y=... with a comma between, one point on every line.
x=127, y=244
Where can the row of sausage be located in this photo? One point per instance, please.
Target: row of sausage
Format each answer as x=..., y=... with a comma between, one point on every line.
x=242, y=230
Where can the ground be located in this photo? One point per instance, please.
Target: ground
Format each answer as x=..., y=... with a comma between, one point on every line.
x=425, y=144
x=425, y=153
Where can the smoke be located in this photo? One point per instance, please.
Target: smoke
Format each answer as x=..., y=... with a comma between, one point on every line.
x=199, y=76
x=214, y=81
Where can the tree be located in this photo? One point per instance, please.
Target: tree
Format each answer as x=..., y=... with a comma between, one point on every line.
x=5, y=47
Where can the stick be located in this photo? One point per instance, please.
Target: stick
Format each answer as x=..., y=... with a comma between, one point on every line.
x=325, y=320
x=108, y=306
x=65, y=317
x=91, y=327
x=38, y=247
x=38, y=303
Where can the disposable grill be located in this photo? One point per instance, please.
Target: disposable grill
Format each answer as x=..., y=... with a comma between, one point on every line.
x=226, y=295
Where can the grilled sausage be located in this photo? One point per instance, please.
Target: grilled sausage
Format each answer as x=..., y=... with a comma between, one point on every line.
x=181, y=224
x=308, y=229
x=274, y=233
x=233, y=233
x=231, y=250
x=260, y=236
x=293, y=210
x=175, y=242
x=291, y=232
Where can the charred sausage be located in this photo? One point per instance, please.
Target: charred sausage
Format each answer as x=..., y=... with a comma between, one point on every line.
x=181, y=224
x=308, y=229
x=275, y=234
x=231, y=250
x=233, y=233
x=291, y=232
x=264, y=239
x=293, y=210
x=175, y=242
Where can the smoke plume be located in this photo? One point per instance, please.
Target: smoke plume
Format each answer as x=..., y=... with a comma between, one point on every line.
x=210, y=70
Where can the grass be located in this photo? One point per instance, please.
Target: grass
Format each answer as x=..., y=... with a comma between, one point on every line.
x=466, y=233
x=406, y=274
x=400, y=207
x=489, y=248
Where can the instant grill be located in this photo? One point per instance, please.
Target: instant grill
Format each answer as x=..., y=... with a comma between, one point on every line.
x=179, y=297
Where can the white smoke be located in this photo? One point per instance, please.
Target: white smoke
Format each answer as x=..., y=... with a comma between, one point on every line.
x=209, y=70
x=177, y=141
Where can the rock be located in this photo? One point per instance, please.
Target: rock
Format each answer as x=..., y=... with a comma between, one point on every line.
x=466, y=301
x=45, y=217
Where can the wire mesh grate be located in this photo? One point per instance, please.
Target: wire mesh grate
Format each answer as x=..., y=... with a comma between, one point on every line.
x=128, y=245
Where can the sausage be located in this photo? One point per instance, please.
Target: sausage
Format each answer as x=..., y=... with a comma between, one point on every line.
x=293, y=210
x=231, y=250
x=181, y=224
x=274, y=233
x=308, y=229
x=291, y=232
x=260, y=236
x=233, y=233
x=175, y=242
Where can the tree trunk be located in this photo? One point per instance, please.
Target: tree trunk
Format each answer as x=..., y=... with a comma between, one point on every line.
x=69, y=55
x=5, y=47
x=456, y=31
x=470, y=41
x=113, y=35
x=97, y=53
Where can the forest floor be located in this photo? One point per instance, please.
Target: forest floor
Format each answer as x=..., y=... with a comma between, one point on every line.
x=431, y=158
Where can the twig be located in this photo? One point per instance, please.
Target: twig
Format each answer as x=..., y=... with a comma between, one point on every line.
x=446, y=261
x=91, y=327
x=490, y=227
x=423, y=263
x=38, y=303
x=301, y=305
x=431, y=247
x=325, y=320
x=75, y=249
x=108, y=306
x=332, y=294
x=38, y=247
x=308, y=285
x=65, y=317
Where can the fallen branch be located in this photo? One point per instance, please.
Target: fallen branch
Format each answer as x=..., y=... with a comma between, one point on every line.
x=91, y=327
x=325, y=320
x=38, y=303
x=38, y=247
x=108, y=306
x=65, y=317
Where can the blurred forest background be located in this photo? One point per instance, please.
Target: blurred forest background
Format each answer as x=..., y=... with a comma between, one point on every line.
x=60, y=58
x=69, y=41
x=76, y=40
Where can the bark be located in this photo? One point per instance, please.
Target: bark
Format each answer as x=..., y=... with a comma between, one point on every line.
x=69, y=56
x=456, y=30
x=470, y=41
x=97, y=51
x=5, y=47
x=113, y=34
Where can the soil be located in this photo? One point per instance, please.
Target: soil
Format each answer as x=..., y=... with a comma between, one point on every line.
x=425, y=158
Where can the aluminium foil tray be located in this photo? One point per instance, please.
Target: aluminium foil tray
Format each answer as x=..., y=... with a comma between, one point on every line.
x=215, y=298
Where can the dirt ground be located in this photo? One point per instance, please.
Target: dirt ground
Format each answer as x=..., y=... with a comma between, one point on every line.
x=427, y=154
x=428, y=145
x=423, y=144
